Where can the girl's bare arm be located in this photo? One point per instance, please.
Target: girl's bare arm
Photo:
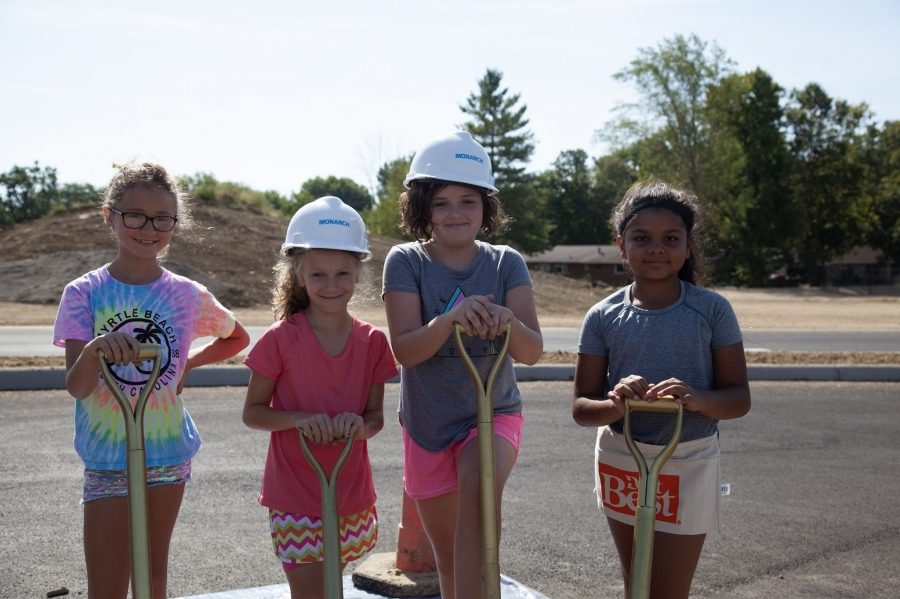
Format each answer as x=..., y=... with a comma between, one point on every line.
x=731, y=396
x=216, y=351
x=259, y=414
x=526, y=344
x=83, y=362
x=219, y=349
x=411, y=341
x=373, y=416
x=590, y=406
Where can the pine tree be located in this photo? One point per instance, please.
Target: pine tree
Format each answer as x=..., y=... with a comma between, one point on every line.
x=500, y=126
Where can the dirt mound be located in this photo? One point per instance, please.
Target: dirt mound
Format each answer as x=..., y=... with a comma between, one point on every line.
x=232, y=252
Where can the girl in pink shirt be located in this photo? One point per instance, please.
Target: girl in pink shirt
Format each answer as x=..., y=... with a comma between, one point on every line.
x=321, y=370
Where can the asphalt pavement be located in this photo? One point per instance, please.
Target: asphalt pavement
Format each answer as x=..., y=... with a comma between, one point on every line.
x=813, y=468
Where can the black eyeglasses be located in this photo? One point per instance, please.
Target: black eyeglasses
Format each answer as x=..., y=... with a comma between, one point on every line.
x=136, y=220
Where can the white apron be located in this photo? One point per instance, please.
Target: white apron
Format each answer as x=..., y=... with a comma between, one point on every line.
x=687, y=499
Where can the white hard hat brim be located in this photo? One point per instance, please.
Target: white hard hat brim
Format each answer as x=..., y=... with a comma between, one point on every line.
x=288, y=249
x=451, y=180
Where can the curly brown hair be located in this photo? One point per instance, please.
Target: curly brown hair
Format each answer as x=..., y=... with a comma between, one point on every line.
x=415, y=209
x=656, y=194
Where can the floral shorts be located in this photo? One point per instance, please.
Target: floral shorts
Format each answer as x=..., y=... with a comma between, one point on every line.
x=297, y=539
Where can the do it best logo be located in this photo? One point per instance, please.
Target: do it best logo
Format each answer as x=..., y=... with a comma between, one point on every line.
x=619, y=490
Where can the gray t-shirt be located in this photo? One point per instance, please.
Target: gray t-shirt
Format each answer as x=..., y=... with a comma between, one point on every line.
x=676, y=341
x=437, y=396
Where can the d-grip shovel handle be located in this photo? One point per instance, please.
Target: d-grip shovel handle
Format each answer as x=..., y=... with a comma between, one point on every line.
x=645, y=513
x=490, y=564
x=136, y=464
x=331, y=534
x=666, y=403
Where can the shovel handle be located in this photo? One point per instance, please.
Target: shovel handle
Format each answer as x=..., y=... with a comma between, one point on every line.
x=331, y=537
x=645, y=512
x=664, y=403
x=484, y=390
x=136, y=468
x=148, y=351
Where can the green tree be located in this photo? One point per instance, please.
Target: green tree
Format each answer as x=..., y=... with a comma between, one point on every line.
x=500, y=126
x=204, y=187
x=758, y=217
x=74, y=194
x=612, y=178
x=828, y=177
x=882, y=162
x=571, y=201
x=384, y=217
x=27, y=193
x=670, y=125
x=352, y=193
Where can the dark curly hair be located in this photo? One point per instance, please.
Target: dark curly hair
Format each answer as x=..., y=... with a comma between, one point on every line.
x=656, y=194
x=415, y=209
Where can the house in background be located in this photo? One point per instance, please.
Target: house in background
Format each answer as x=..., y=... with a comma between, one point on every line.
x=602, y=263
x=862, y=266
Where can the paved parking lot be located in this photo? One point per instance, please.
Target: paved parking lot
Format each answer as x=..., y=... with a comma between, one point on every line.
x=814, y=470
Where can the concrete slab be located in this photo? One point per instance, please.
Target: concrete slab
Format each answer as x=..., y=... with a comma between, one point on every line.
x=509, y=589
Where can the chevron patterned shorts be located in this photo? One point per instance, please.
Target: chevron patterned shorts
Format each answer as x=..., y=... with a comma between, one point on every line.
x=297, y=539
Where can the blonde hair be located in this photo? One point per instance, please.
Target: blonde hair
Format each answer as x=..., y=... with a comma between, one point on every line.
x=289, y=296
x=150, y=174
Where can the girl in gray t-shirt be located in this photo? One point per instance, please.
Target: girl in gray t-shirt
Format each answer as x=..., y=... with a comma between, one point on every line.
x=446, y=277
x=661, y=336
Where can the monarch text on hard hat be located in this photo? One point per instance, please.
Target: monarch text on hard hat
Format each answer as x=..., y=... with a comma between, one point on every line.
x=332, y=221
x=477, y=159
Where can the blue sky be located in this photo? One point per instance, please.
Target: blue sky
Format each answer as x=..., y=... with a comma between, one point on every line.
x=273, y=93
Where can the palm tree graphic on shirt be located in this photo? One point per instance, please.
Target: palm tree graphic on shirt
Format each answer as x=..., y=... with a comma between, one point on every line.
x=152, y=334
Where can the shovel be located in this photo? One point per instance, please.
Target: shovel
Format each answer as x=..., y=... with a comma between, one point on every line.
x=331, y=535
x=645, y=514
x=138, y=520
x=487, y=465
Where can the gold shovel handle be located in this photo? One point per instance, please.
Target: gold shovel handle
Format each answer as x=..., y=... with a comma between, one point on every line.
x=664, y=403
x=490, y=564
x=136, y=468
x=645, y=512
x=331, y=538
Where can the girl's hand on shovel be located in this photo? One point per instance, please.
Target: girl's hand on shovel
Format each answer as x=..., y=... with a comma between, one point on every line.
x=347, y=425
x=118, y=348
x=631, y=387
x=476, y=314
x=318, y=428
x=681, y=391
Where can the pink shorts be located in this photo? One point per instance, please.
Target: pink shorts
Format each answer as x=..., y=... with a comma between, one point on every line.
x=428, y=474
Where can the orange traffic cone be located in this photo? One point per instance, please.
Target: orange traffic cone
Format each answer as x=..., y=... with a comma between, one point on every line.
x=411, y=571
x=414, y=551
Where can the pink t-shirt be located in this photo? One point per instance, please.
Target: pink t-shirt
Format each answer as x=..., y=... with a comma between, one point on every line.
x=309, y=380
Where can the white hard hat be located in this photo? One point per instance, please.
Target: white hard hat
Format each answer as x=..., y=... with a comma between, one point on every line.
x=454, y=157
x=327, y=224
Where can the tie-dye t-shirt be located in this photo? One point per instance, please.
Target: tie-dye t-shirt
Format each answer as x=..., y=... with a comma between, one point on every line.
x=172, y=311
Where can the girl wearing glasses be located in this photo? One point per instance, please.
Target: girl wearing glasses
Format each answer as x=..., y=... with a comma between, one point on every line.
x=115, y=308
